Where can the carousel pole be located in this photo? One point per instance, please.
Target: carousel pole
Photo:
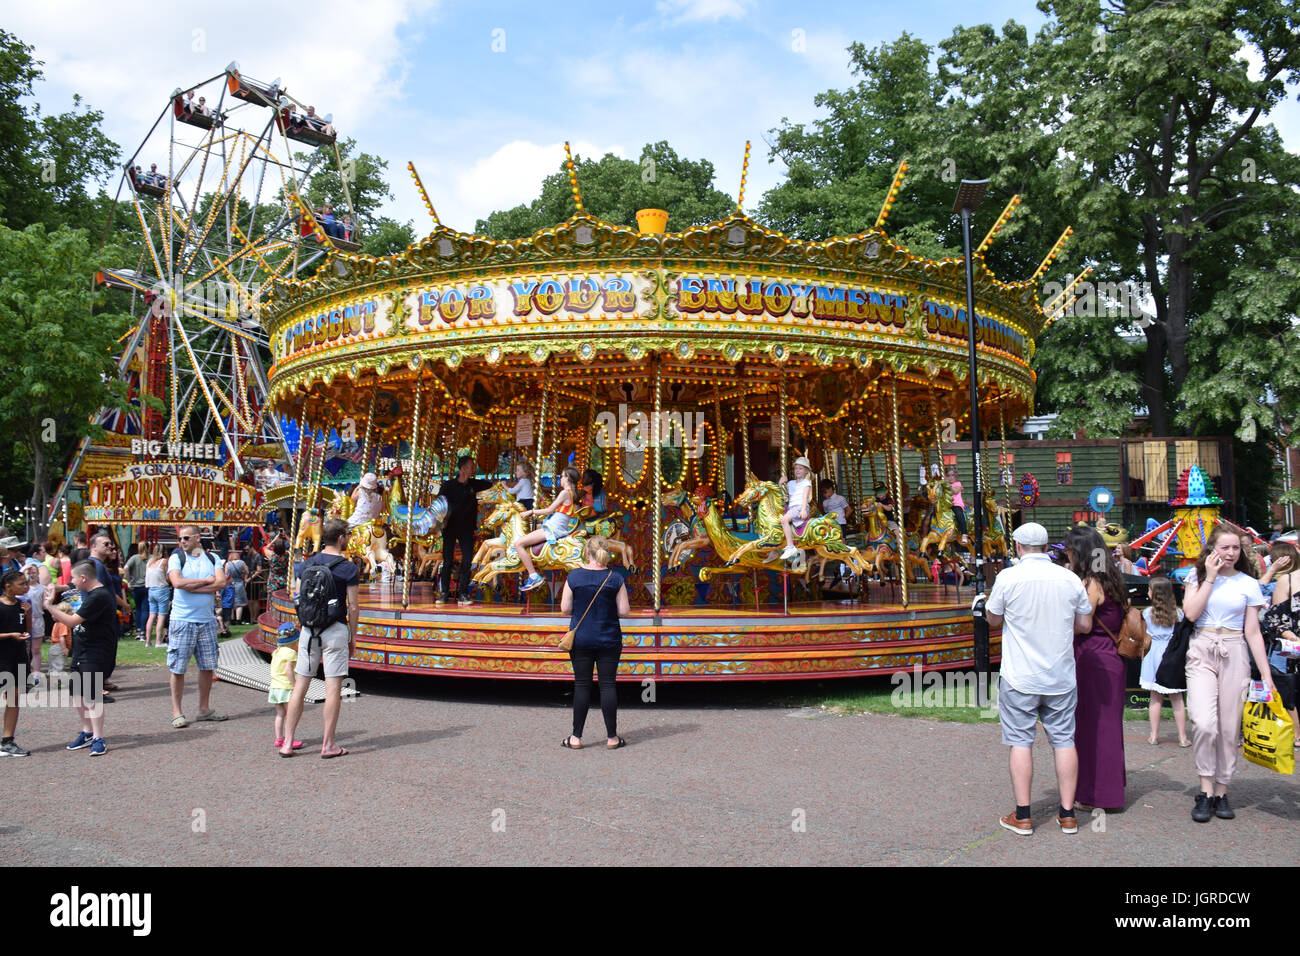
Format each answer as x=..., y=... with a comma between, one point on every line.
x=370, y=421
x=744, y=425
x=295, y=523
x=1006, y=486
x=720, y=449
x=898, y=482
x=541, y=435
x=410, y=504
x=654, y=495
x=781, y=469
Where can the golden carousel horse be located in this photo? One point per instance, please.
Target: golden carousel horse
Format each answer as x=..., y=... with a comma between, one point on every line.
x=562, y=555
x=367, y=542
x=309, y=526
x=943, y=536
x=586, y=523
x=761, y=549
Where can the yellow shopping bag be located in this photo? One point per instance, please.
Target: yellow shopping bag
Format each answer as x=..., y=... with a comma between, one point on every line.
x=1268, y=736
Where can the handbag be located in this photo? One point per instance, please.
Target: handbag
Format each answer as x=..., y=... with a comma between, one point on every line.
x=1172, y=671
x=566, y=642
x=1133, y=641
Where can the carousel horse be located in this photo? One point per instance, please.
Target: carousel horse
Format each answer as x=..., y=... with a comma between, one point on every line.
x=367, y=542
x=426, y=524
x=996, y=520
x=562, y=555
x=492, y=548
x=589, y=523
x=686, y=534
x=820, y=534
x=308, y=530
x=944, y=536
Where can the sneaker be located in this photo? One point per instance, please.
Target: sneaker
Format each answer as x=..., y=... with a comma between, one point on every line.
x=789, y=554
x=440, y=600
x=1221, y=808
x=98, y=746
x=465, y=602
x=1020, y=827
x=82, y=742
x=36, y=680
x=1202, y=811
x=1068, y=824
x=533, y=583
x=13, y=750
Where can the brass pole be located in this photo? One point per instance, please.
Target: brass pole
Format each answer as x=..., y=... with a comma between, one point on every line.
x=370, y=421
x=410, y=503
x=540, y=436
x=295, y=523
x=654, y=496
x=720, y=449
x=1006, y=487
x=898, y=484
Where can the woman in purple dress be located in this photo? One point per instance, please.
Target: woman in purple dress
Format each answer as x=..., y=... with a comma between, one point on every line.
x=1099, y=672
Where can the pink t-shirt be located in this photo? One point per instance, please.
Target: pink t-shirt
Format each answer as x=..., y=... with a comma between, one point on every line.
x=956, y=494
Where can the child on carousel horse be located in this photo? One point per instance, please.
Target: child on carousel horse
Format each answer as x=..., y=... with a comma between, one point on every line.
x=593, y=493
x=522, y=489
x=797, y=509
x=558, y=524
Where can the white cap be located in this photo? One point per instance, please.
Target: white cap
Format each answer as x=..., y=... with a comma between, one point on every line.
x=1031, y=533
x=804, y=462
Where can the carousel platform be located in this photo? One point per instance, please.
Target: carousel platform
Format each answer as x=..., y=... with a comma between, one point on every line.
x=829, y=638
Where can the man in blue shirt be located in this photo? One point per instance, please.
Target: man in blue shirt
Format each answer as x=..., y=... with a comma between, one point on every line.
x=195, y=577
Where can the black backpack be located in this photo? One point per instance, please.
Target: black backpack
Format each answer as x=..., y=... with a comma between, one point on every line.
x=319, y=602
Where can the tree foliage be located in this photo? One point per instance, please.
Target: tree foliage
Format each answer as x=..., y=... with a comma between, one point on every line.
x=58, y=353
x=614, y=189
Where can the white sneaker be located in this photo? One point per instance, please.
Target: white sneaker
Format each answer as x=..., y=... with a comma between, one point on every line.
x=790, y=553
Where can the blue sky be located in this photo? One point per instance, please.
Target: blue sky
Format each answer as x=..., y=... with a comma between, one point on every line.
x=481, y=96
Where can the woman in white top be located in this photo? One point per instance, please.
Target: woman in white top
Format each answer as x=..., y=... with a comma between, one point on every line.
x=1222, y=597
x=160, y=597
x=797, y=508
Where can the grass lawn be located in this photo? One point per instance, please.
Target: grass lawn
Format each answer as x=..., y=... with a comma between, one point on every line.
x=133, y=653
x=885, y=695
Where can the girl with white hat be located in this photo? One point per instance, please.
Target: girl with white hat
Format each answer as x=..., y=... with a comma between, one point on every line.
x=369, y=503
x=797, y=507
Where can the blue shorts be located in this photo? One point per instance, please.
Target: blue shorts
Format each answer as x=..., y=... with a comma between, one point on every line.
x=192, y=637
x=160, y=601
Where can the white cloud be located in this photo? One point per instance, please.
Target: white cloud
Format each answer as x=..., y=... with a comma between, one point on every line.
x=511, y=175
x=339, y=56
x=687, y=11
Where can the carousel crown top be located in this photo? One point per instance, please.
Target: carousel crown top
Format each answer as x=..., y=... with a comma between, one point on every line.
x=597, y=314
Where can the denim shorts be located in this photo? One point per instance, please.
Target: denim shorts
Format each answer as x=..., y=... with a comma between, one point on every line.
x=160, y=600
x=192, y=637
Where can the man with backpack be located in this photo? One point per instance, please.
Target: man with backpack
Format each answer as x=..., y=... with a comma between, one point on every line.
x=195, y=575
x=328, y=612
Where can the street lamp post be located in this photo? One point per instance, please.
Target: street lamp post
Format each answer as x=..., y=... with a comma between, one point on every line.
x=969, y=196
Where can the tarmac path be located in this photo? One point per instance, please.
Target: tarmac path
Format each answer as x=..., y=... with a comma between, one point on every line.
x=465, y=771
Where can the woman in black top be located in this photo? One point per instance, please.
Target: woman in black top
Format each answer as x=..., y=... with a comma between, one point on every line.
x=595, y=598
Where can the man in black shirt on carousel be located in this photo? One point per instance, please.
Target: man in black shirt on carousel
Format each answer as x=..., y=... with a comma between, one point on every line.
x=461, y=493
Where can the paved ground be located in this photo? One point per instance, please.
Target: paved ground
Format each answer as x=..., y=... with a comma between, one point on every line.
x=471, y=772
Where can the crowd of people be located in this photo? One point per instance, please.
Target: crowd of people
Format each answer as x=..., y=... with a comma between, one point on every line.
x=82, y=600
x=1061, y=625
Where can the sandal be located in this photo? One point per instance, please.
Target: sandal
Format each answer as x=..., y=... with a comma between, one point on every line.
x=1184, y=743
x=179, y=721
x=1153, y=740
x=621, y=743
x=568, y=746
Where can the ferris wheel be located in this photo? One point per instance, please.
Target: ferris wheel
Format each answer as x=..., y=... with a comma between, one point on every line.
x=216, y=190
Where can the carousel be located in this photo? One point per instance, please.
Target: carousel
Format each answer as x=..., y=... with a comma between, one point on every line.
x=686, y=375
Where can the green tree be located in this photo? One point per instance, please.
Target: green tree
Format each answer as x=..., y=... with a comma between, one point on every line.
x=614, y=189
x=58, y=352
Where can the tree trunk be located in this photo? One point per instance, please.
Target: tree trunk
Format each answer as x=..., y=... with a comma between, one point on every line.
x=1180, y=291
x=1154, y=381
x=39, y=492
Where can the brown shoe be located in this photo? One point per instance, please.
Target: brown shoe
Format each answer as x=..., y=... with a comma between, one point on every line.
x=1068, y=824
x=1022, y=827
